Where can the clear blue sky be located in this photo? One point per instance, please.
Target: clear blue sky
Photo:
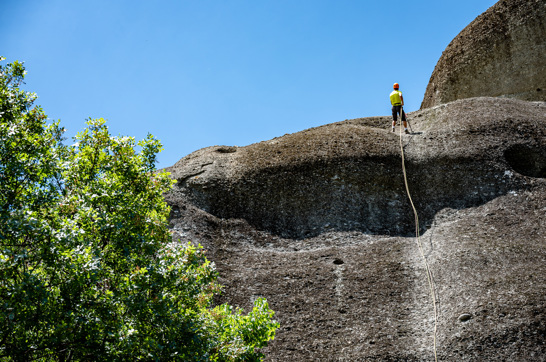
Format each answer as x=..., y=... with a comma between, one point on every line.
x=225, y=72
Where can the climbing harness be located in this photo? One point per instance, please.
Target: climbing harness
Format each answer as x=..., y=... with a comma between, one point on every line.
x=418, y=236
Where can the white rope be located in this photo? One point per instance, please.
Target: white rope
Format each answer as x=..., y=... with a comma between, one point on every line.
x=419, y=243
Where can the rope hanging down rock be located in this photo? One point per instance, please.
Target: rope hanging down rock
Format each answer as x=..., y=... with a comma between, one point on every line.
x=419, y=243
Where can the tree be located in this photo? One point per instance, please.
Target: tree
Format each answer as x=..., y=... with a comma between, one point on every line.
x=88, y=267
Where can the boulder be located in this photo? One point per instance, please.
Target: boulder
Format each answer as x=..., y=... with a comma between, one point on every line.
x=320, y=224
x=500, y=54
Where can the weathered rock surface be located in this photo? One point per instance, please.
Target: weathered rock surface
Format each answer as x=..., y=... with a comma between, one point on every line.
x=319, y=223
x=500, y=54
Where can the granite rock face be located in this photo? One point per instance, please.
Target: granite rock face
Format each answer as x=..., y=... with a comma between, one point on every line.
x=500, y=54
x=319, y=223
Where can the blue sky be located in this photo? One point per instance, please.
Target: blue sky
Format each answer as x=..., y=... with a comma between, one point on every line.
x=225, y=72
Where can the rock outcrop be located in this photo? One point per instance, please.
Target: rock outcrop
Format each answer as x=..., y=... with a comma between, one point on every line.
x=318, y=222
x=500, y=54
x=346, y=176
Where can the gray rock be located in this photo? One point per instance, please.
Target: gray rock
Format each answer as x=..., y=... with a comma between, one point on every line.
x=500, y=54
x=318, y=222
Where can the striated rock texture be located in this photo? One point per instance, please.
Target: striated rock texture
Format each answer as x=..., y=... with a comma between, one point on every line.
x=500, y=54
x=319, y=223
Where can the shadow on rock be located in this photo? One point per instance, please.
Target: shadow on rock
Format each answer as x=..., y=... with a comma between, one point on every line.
x=356, y=194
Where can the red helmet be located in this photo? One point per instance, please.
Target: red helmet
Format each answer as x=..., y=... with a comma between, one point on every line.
x=396, y=86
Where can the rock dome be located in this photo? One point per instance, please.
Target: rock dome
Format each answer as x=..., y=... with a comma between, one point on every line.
x=320, y=224
x=500, y=54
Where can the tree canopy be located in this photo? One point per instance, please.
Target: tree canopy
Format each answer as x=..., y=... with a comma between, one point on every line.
x=88, y=267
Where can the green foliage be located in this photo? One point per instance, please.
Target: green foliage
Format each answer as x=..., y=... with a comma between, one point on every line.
x=88, y=268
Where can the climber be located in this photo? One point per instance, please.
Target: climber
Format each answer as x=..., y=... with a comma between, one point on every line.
x=397, y=102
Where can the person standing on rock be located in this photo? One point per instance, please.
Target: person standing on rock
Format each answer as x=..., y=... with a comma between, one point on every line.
x=397, y=101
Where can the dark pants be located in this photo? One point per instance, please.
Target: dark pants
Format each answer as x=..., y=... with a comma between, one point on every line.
x=396, y=111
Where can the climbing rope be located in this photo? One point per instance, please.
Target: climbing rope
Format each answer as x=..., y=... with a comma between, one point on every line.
x=419, y=243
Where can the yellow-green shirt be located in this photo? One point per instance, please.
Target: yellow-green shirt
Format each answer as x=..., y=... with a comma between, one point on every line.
x=395, y=98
